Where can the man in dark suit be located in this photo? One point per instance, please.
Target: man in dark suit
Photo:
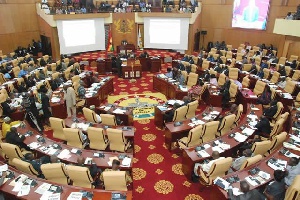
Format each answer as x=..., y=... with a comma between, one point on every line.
x=7, y=110
x=13, y=137
x=276, y=189
x=168, y=116
x=271, y=111
x=263, y=127
x=248, y=194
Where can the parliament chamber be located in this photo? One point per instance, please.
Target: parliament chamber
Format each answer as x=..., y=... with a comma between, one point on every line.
x=171, y=99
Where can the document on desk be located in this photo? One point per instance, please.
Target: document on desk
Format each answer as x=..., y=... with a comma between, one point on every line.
x=3, y=168
x=215, y=113
x=287, y=96
x=119, y=111
x=55, y=99
x=34, y=145
x=221, y=183
x=162, y=108
x=264, y=175
x=239, y=137
x=64, y=154
x=25, y=189
x=203, y=154
x=251, y=180
x=75, y=196
x=50, y=196
x=248, y=131
x=126, y=162
x=278, y=165
x=43, y=188
x=218, y=149
x=17, y=186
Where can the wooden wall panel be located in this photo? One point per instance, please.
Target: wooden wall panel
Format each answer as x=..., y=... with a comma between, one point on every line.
x=19, y=25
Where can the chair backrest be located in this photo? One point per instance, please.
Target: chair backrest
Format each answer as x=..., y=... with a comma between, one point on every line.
x=80, y=176
x=73, y=137
x=290, y=86
x=233, y=90
x=193, y=138
x=246, y=82
x=16, y=70
x=293, y=191
x=75, y=78
x=284, y=116
x=191, y=109
x=239, y=56
x=115, y=180
x=293, y=57
x=251, y=161
x=195, y=59
x=257, y=60
x=277, y=128
x=57, y=126
x=239, y=113
x=219, y=168
x=279, y=110
x=273, y=93
x=11, y=151
x=185, y=75
x=97, y=138
x=259, y=87
x=194, y=68
x=116, y=139
x=209, y=131
x=296, y=75
x=288, y=70
x=261, y=147
x=222, y=79
x=233, y=73
x=2, y=78
x=89, y=115
x=266, y=73
x=282, y=60
x=229, y=47
x=179, y=114
x=226, y=124
x=205, y=64
x=275, y=77
x=247, y=67
x=55, y=172
x=192, y=79
x=277, y=141
x=108, y=119
x=24, y=166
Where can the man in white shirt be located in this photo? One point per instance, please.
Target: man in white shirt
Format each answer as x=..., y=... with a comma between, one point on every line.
x=206, y=167
x=292, y=170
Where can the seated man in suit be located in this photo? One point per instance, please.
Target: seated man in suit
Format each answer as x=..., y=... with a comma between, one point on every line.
x=7, y=124
x=263, y=65
x=237, y=163
x=271, y=111
x=116, y=167
x=13, y=137
x=169, y=73
x=263, y=127
x=206, y=166
x=168, y=115
x=186, y=100
x=248, y=194
x=7, y=110
x=276, y=189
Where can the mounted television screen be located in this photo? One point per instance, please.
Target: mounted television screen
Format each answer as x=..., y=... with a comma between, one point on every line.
x=250, y=14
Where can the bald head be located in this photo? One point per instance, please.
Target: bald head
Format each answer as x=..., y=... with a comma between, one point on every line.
x=244, y=186
x=215, y=155
x=247, y=152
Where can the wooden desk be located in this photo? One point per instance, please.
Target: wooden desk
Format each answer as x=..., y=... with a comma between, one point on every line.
x=127, y=133
x=155, y=65
x=168, y=89
x=173, y=133
x=145, y=62
x=125, y=48
x=129, y=72
x=100, y=162
x=66, y=189
x=104, y=66
x=126, y=118
x=158, y=117
x=243, y=97
x=190, y=156
x=212, y=96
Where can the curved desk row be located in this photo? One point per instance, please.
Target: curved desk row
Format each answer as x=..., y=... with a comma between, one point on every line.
x=170, y=90
x=6, y=188
x=190, y=156
x=69, y=157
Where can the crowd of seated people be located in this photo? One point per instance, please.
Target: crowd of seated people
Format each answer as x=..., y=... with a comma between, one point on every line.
x=294, y=16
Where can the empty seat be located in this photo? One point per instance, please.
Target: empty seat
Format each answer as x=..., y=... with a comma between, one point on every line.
x=290, y=86
x=226, y=124
x=57, y=126
x=246, y=82
x=275, y=77
x=277, y=141
x=233, y=73
x=261, y=148
x=115, y=180
x=239, y=113
x=179, y=114
x=233, y=91
x=117, y=140
x=209, y=131
x=74, y=138
x=259, y=87
x=222, y=79
x=251, y=161
x=90, y=115
x=192, y=80
x=80, y=176
x=192, y=139
x=108, y=119
x=55, y=172
x=191, y=109
x=97, y=138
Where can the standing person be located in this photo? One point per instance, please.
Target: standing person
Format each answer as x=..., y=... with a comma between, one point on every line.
x=70, y=98
x=32, y=113
x=45, y=104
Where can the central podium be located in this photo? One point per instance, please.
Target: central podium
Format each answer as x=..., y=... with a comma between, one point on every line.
x=131, y=69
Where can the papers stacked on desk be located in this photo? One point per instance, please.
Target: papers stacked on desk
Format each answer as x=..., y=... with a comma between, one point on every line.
x=82, y=126
x=239, y=137
x=75, y=196
x=126, y=162
x=183, y=88
x=55, y=100
x=248, y=131
x=221, y=183
x=24, y=190
x=287, y=96
x=3, y=168
x=88, y=160
x=264, y=175
x=252, y=117
x=278, y=165
x=34, y=145
x=50, y=196
x=162, y=76
x=162, y=108
x=203, y=154
x=196, y=123
x=172, y=102
x=64, y=154
x=254, y=181
x=215, y=113
x=43, y=188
